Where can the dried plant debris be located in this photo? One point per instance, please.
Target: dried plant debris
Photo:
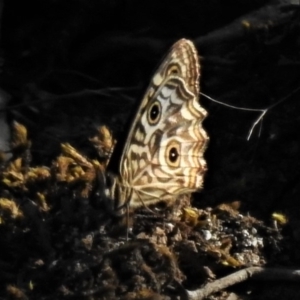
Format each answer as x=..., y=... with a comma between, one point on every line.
x=103, y=142
x=61, y=239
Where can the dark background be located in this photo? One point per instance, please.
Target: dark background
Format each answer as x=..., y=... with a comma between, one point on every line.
x=72, y=65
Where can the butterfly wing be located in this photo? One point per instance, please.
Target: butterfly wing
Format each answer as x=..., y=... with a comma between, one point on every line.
x=163, y=155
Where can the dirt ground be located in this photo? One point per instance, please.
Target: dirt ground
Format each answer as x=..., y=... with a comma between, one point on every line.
x=68, y=68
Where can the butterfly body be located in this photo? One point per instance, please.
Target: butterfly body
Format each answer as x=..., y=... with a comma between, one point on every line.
x=163, y=154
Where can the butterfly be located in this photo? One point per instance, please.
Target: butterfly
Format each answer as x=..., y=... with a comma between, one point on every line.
x=163, y=153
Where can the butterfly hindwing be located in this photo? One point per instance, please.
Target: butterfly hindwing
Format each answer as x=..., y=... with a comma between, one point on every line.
x=163, y=154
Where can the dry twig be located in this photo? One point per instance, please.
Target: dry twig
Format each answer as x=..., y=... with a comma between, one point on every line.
x=255, y=273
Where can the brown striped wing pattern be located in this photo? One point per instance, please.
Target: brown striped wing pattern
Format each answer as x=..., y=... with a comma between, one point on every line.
x=163, y=155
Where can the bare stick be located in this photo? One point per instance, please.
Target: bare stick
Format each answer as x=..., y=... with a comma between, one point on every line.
x=254, y=273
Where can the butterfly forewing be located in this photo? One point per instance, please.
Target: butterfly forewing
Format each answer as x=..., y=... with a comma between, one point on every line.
x=163, y=154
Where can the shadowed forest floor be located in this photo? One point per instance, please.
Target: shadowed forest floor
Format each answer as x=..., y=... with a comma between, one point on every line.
x=70, y=67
